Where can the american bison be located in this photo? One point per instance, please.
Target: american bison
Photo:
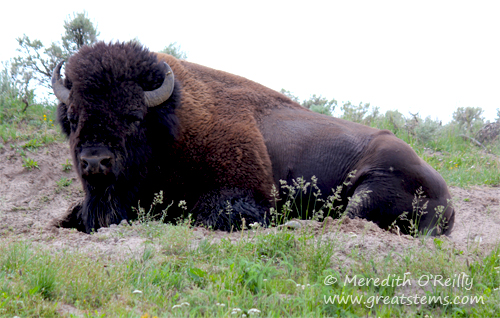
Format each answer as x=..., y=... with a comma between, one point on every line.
x=220, y=142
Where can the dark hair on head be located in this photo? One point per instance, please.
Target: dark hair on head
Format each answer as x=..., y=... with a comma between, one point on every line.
x=103, y=65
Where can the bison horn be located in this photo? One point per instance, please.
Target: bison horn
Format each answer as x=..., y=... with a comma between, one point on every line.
x=61, y=92
x=162, y=93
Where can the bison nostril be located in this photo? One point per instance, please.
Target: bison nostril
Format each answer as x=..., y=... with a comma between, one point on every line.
x=84, y=164
x=106, y=162
x=105, y=165
x=96, y=164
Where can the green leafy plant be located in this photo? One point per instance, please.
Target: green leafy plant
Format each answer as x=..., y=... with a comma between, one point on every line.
x=67, y=166
x=29, y=163
x=32, y=144
x=63, y=183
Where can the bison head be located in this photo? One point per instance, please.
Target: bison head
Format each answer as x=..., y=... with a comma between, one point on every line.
x=113, y=99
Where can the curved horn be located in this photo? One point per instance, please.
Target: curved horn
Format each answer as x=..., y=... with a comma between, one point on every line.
x=61, y=92
x=162, y=93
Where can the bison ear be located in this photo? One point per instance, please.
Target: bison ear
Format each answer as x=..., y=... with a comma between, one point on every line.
x=62, y=118
x=162, y=93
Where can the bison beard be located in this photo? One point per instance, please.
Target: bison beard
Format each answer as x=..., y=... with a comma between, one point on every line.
x=220, y=142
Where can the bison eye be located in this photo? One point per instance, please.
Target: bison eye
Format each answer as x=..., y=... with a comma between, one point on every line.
x=73, y=120
x=134, y=117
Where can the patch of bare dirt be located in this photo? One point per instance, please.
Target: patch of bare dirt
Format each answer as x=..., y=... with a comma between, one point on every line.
x=478, y=216
x=30, y=200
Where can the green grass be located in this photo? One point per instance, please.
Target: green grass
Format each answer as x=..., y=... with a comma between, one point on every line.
x=465, y=168
x=63, y=183
x=460, y=162
x=279, y=274
x=36, y=124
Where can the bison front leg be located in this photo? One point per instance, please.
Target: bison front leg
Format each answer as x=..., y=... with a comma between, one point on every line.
x=360, y=203
x=413, y=212
x=227, y=208
x=72, y=218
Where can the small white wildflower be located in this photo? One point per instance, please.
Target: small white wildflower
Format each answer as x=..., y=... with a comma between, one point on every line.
x=253, y=311
x=298, y=285
x=243, y=316
x=185, y=304
x=264, y=280
x=137, y=292
x=235, y=310
x=255, y=225
x=182, y=205
x=220, y=305
x=308, y=285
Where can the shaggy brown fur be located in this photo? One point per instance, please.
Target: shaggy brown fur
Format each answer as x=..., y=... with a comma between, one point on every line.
x=222, y=140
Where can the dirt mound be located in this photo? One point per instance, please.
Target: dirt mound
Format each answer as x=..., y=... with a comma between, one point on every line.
x=31, y=199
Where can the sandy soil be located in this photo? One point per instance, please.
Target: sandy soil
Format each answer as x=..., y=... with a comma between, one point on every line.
x=30, y=200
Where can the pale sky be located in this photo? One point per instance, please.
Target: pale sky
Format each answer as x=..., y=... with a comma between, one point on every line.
x=413, y=56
